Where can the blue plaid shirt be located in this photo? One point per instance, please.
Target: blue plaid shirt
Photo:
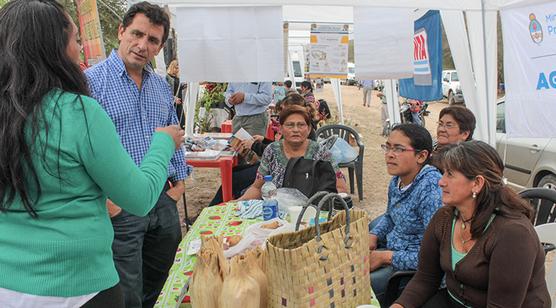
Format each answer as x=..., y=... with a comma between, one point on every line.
x=136, y=113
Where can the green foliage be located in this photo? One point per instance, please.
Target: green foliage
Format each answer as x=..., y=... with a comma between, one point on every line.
x=214, y=94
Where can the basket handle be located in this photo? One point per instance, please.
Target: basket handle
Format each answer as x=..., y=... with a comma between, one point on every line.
x=326, y=196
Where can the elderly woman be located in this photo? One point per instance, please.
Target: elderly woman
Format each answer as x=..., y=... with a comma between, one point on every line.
x=455, y=124
x=482, y=240
x=413, y=198
x=295, y=126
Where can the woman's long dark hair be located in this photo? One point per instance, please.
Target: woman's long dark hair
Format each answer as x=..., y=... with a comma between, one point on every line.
x=34, y=35
x=474, y=158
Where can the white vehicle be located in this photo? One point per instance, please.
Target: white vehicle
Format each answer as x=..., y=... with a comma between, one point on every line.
x=350, y=80
x=451, y=88
x=297, y=65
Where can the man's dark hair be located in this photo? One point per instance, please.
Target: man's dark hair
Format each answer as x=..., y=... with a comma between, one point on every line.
x=306, y=84
x=288, y=83
x=154, y=13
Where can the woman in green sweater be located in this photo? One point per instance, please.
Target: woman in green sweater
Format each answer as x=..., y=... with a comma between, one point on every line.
x=60, y=159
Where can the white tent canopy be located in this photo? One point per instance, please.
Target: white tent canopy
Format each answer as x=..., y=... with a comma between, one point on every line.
x=474, y=47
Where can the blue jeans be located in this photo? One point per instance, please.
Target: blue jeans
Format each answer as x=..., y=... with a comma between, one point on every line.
x=381, y=276
x=144, y=249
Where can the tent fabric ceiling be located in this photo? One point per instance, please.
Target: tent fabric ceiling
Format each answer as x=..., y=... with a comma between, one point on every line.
x=467, y=5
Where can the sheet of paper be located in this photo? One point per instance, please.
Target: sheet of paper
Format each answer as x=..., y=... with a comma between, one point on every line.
x=242, y=134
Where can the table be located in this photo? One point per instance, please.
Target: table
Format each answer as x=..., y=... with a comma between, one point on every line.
x=225, y=163
x=215, y=220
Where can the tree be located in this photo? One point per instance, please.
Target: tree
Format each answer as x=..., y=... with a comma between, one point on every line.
x=110, y=12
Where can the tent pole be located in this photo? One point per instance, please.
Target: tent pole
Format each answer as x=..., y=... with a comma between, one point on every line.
x=489, y=107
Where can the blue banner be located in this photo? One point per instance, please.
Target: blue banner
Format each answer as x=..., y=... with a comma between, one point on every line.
x=426, y=84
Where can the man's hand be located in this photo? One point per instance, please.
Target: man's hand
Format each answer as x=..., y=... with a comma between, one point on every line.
x=112, y=208
x=379, y=258
x=177, y=191
x=177, y=100
x=373, y=240
x=236, y=98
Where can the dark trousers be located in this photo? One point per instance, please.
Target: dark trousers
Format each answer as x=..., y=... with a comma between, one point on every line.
x=109, y=298
x=144, y=249
x=242, y=177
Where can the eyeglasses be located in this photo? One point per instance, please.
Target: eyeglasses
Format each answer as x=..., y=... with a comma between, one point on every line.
x=396, y=149
x=448, y=125
x=291, y=125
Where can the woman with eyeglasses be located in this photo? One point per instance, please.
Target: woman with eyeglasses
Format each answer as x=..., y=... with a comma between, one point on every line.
x=455, y=124
x=295, y=127
x=413, y=198
x=482, y=242
x=244, y=175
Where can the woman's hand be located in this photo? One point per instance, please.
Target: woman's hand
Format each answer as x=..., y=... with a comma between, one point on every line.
x=112, y=208
x=175, y=132
x=373, y=241
x=246, y=145
x=378, y=258
x=258, y=138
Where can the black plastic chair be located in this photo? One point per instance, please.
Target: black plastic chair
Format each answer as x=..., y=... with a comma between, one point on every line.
x=543, y=201
x=355, y=166
x=393, y=290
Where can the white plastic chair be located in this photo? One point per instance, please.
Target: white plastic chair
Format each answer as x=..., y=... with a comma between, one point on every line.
x=547, y=234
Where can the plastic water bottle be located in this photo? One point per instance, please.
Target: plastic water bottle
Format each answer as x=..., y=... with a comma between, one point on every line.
x=268, y=190
x=270, y=206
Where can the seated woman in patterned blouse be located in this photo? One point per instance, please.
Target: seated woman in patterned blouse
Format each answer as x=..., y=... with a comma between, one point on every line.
x=295, y=126
x=413, y=198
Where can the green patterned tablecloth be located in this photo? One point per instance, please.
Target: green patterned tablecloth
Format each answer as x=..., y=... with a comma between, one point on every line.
x=215, y=220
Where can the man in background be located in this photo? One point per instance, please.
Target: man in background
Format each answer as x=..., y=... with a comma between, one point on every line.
x=251, y=101
x=367, y=91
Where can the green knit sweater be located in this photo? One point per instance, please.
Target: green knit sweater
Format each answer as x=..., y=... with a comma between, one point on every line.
x=66, y=251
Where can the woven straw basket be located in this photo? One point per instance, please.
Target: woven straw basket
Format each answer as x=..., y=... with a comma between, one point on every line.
x=321, y=266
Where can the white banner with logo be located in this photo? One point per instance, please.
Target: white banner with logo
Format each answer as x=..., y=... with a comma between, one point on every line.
x=530, y=70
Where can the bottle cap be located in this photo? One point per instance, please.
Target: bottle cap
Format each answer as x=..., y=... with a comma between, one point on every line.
x=268, y=178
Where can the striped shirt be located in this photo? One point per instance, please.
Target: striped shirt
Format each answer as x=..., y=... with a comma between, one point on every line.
x=136, y=113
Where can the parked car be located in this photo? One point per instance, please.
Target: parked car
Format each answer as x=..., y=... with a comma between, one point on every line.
x=529, y=162
x=451, y=88
x=350, y=80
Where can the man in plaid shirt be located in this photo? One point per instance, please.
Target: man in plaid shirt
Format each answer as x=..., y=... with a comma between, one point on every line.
x=138, y=101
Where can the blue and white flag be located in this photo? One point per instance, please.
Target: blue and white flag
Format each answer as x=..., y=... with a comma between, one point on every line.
x=426, y=84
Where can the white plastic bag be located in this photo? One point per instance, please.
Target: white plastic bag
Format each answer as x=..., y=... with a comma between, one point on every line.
x=255, y=235
x=341, y=150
